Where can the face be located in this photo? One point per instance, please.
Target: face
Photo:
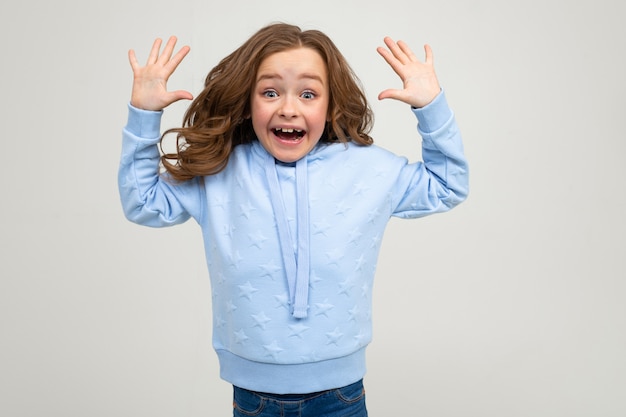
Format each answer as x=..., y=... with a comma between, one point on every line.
x=289, y=103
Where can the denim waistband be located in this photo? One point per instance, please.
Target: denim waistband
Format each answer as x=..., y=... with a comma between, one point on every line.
x=296, y=397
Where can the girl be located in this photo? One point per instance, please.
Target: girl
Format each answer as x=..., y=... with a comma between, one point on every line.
x=275, y=163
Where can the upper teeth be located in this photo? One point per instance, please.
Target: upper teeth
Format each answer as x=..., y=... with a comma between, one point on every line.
x=288, y=130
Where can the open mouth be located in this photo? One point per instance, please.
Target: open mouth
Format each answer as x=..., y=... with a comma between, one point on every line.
x=289, y=134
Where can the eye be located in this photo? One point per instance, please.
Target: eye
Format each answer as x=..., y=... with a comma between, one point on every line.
x=308, y=95
x=270, y=94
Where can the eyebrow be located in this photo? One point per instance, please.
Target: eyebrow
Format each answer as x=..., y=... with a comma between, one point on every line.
x=272, y=76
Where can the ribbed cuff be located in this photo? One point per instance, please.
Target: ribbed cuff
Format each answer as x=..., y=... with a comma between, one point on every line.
x=434, y=115
x=144, y=123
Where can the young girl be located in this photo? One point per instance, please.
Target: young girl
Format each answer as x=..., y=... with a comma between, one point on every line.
x=275, y=163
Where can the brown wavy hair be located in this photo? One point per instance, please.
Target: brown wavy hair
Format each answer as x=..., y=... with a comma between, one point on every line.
x=218, y=118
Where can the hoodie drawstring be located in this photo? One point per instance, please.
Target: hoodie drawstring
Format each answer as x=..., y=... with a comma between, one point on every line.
x=296, y=263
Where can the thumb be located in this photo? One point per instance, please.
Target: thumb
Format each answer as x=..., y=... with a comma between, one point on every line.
x=392, y=93
x=177, y=95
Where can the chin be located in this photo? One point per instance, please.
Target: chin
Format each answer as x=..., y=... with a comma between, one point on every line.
x=289, y=155
x=287, y=158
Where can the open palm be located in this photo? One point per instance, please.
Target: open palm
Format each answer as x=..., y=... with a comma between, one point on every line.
x=150, y=81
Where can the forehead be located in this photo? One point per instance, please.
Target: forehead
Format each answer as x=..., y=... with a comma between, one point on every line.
x=298, y=62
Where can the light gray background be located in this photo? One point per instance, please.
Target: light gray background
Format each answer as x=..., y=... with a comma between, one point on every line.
x=510, y=305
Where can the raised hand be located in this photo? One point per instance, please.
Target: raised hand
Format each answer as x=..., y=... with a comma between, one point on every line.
x=419, y=79
x=150, y=81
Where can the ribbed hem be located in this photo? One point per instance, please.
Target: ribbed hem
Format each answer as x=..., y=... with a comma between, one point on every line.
x=292, y=379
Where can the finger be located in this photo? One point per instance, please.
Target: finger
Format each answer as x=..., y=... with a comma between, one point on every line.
x=154, y=52
x=386, y=55
x=168, y=50
x=390, y=59
x=407, y=51
x=132, y=58
x=177, y=59
x=396, y=50
x=428, y=51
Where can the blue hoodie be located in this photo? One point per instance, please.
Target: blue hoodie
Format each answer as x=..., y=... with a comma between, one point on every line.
x=292, y=248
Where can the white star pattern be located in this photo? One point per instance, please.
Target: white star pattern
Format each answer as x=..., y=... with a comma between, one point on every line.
x=220, y=201
x=219, y=322
x=375, y=241
x=360, y=262
x=335, y=256
x=314, y=279
x=341, y=209
x=229, y=230
x=321, y=227
x=257, y=239
x=359, y=338
x=353, y=313
x=373, y=215
x=247, y=290
x=283, y=301
x=261, y=320
x=273, y=349
x=234, y=260
x=365, y=289
x=323, y=308
x=297, y=330
x=379, y=172
x=269, y=269
x=230, y=307
x=240, y=337
x=246, y=209
x=360, y=188
x=355, y=235
x=346, y=285
x=334, y=336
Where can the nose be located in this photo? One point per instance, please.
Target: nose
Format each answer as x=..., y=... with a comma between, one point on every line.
x=289, y=107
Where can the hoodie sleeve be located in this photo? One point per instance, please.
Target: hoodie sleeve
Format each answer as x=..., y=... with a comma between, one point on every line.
x=149, y=198
x=441, y=180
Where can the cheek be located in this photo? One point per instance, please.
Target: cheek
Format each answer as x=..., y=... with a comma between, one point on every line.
x=258, y=117
x=322, y=118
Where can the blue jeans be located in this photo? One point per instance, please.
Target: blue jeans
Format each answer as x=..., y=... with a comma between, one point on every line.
x=348, y=401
